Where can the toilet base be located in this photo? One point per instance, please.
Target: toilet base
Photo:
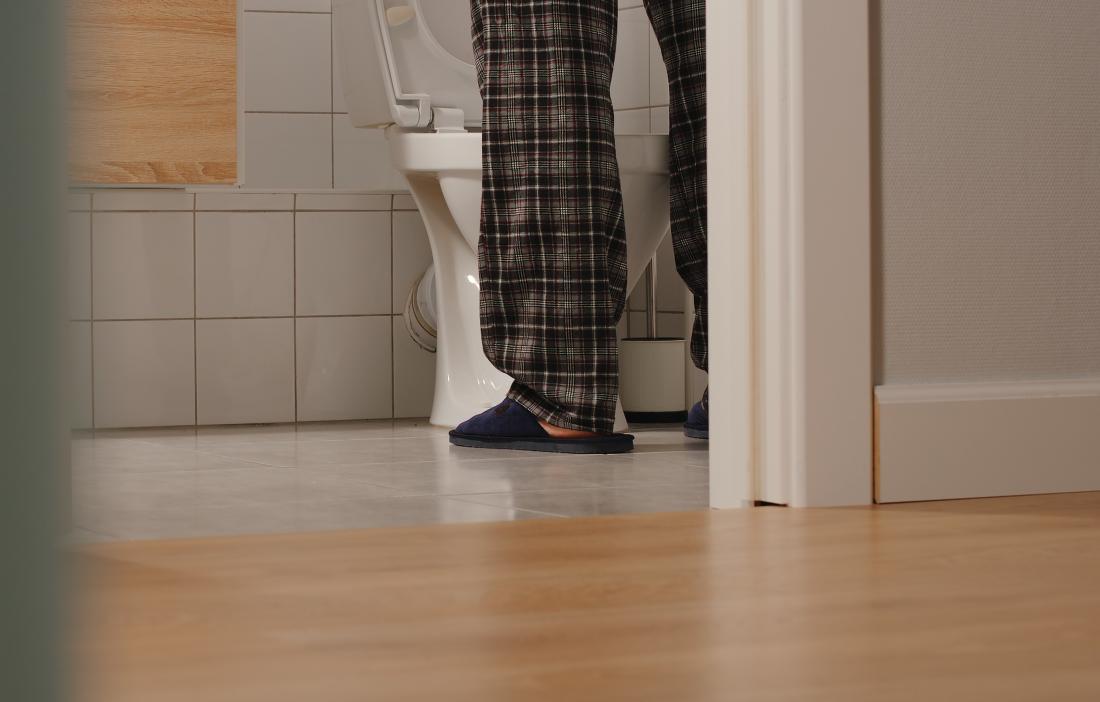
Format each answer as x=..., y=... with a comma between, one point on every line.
x=443, y=171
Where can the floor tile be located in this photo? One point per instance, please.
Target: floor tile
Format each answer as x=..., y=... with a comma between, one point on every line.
x=601, y=501
x=135, y=456
x=83, y=536
x=445, y=478
x=208, y=520
x=189, y=482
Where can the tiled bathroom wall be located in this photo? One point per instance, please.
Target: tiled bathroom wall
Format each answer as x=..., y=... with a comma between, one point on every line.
x=639, y=91
x=281, y=299
x=221, y=307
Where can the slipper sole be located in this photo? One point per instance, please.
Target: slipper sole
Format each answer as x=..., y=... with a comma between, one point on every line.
x=697, y=432
x=616, y=443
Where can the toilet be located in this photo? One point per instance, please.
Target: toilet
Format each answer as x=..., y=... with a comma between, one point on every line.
x=408, y=67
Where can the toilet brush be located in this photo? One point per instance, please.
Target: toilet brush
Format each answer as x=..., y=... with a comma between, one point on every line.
x=651, y=368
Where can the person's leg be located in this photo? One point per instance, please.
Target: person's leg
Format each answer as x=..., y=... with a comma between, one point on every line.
x=552, y=253
x=680, y=26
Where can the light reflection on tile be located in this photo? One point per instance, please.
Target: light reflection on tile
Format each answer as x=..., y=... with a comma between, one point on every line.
x=165, y=483
x=602, y=501
x=213, y=520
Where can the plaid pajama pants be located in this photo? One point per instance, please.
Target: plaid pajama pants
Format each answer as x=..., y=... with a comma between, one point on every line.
x=552, y=252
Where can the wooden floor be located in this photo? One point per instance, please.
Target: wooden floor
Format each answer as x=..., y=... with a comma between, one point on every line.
x=970, y=600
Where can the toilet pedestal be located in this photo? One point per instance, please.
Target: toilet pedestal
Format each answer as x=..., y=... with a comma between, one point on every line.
x=465, y=381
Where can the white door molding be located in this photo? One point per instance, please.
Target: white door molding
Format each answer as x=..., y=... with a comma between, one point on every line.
x=790, y=272
x=731, y=264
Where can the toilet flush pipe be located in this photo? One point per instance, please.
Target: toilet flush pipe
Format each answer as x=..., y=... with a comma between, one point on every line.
x=651, y=299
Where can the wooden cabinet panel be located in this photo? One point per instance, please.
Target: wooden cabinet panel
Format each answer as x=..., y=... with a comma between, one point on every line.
x=153, y=91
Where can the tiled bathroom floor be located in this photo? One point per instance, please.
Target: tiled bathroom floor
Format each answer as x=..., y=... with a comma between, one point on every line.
x=166, y=483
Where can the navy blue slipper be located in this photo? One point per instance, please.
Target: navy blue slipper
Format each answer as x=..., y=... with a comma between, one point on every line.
x=698, y=424
x=510, y=426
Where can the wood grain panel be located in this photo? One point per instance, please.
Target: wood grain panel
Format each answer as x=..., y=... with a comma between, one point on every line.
x=153, y=91
x=964, y=600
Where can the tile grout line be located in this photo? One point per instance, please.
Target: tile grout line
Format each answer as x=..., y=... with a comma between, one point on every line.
x=523, y=510
x=314, y=113
x=294, y=302
x=248, y=211
x=261, y=316
x=331, y=105
x=91, y=298
x=195, y=299
x=290, y=12
x=393, y=356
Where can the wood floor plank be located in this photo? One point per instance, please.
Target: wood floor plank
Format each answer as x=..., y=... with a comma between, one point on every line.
x=969, y=600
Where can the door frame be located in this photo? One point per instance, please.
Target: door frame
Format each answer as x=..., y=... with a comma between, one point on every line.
x=790, y=276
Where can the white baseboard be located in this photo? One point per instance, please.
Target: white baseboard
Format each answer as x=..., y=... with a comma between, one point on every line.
x=957, y=440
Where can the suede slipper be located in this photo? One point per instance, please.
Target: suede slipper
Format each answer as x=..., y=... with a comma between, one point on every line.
x=510, y=426
x=697, y=425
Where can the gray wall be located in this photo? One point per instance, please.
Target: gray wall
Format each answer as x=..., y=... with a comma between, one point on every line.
x=988, y=203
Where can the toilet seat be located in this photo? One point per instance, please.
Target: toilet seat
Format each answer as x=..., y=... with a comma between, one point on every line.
x=416, y=63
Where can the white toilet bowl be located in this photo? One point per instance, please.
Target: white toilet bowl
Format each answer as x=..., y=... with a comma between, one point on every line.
x=408, y=65
x=444, y=175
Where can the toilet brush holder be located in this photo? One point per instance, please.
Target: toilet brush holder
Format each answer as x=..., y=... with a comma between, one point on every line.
x=651, y=368
x=651, y=379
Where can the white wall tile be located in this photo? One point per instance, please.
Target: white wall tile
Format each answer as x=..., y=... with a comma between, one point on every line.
x=362, y=158
x=670, y=287
x=632, y=121
x=344, y=368
x=78, y=201
x=343, y=263
x=343, y=201
x=413, y=374
x=221, y=200
x=658, y=76
x=630, y=80
x=245, y=370
x=80, y=375
x=670, y=324
x=79, y=257
x=287, y=59
x=289, y=5
x=339, y=104
x=412, y=254
x=244, y=264
x=288, y=151
x=143, y=265
x=143, y=200
x=345, y=365
x=403, y=201
x=658, y=120
x=144, y=373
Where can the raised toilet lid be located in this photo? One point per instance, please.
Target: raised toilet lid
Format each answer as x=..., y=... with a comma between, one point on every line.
x=403, y=60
